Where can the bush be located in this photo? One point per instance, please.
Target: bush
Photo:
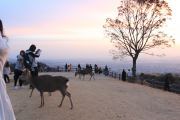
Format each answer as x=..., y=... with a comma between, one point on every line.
x=171, y=78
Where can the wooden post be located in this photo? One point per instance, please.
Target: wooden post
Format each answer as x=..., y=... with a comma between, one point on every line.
x=141, y=81
x=115, y=76
x=70, y=67
x=112, y=74
x=179, y=89
x=119, y=76
x=153, y=83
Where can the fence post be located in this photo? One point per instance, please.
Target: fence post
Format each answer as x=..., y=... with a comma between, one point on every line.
x=119, y=76
x=141, y=81
x=179, y=89
x=132, y=79
x=152, y=83
x=115, y=76
x=112, y=74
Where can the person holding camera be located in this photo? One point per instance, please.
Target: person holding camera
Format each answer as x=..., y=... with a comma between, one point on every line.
x=32, y=57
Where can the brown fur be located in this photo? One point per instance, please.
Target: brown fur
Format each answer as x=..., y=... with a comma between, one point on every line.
x=85, y=72
x=47, y=83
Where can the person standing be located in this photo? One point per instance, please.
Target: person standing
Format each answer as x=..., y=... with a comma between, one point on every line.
x=6, y=71
x=32, y=57
x=79, y=67
x=129, y=75
x=6, y=110
x=166, y=84
x=124, y=75
x=90, y=67
x=58, y=68
x=106, y=70
x=66, y=67
x=19, y=68
x=100, y=70
x=109, y=72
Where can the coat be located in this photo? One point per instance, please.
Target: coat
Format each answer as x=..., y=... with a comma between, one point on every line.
x=6, y=110
x=6, y=70
x=124, y=76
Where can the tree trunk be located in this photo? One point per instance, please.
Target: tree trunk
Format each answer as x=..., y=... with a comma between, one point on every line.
x=134, y=67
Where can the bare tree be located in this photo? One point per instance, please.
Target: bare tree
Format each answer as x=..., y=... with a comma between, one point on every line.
x=135, y=29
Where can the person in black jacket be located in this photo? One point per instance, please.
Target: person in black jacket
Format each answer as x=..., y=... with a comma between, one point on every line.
x=124, y=75
x=32, y=57
x=166, y=84
x=79, y=67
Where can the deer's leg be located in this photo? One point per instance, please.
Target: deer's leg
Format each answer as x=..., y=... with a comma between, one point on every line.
x=69, y=95
x=41, y=92
x=62, y=100
x=93, y=77
x=43, y=99
x=31, y=91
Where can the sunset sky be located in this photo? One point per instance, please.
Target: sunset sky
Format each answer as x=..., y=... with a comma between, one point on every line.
x=69, y=29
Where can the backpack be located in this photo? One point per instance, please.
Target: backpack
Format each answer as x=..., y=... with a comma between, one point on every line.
x=8, y=64
x=27, y=62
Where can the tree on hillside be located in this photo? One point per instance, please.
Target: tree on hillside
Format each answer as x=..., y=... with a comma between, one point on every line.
x=134, y=30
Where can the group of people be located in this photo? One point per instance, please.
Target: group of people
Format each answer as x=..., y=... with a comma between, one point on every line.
x=19, y=68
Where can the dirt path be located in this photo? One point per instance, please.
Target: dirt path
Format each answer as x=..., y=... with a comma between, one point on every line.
x=102, y=99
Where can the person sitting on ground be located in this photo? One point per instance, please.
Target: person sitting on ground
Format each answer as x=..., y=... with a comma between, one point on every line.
x=19, y=68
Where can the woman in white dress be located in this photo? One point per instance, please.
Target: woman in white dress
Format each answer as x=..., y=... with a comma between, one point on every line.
x=6, y=110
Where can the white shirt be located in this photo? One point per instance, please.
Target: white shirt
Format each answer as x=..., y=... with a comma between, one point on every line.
x=128, y=73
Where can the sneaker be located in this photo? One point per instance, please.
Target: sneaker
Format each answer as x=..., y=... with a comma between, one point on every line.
x=15, y=87
x=21, y=87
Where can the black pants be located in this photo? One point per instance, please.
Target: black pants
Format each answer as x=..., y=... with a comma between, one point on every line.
x=166, y=86
x=34, y=73
x=17, y=73
x=6, y=76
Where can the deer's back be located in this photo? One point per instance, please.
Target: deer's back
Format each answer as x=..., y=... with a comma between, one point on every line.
x=50, y=83
x=86, y=71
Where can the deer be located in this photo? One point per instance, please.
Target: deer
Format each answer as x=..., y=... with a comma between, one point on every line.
x=49, y=93
x=47, y=83
x=85, y=72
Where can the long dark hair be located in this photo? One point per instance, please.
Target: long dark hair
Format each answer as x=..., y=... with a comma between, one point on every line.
x=2, y=30
x=22, y=51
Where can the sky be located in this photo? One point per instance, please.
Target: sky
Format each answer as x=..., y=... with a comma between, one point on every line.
x=71, y=29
